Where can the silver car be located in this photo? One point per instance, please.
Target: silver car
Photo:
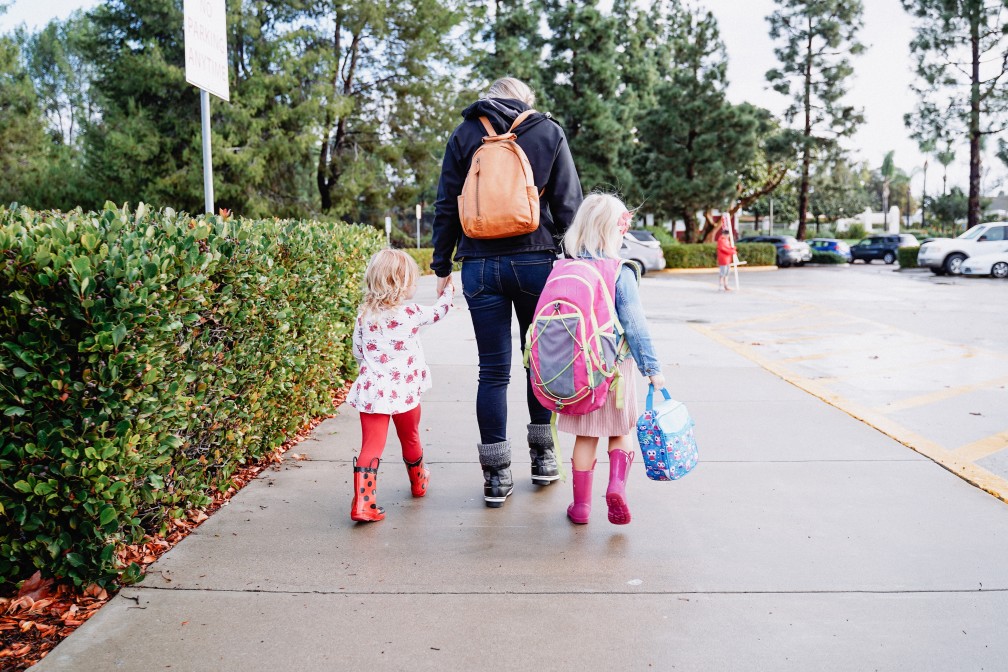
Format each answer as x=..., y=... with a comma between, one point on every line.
x=642, y=247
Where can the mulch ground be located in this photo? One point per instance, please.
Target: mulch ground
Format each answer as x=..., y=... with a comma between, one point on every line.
x=44, y=611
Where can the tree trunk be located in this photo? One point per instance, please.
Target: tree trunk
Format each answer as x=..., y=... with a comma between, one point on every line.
x=806, y=146
x=973, y=215
x=689, y=220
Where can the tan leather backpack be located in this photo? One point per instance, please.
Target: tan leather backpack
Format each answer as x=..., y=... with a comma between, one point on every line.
x=499, y=198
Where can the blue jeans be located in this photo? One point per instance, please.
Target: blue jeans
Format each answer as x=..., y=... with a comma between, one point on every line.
x=492, y=285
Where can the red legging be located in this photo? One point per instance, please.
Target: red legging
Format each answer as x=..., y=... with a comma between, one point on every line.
x=374, y=431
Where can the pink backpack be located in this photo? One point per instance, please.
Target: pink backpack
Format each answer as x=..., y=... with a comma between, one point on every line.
x=575, y=339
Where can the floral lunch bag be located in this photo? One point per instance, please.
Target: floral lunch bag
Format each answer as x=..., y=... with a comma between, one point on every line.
x=666, y=438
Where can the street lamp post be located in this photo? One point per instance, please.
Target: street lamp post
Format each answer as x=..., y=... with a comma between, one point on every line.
x=924, y=194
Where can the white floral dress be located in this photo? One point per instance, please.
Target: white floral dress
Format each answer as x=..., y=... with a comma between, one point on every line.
x=386, y=345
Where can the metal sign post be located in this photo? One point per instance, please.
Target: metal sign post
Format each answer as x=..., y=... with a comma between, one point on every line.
x=207, y=68
x=418, y=212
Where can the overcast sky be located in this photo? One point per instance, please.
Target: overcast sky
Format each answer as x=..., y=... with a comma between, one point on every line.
x=880, y=85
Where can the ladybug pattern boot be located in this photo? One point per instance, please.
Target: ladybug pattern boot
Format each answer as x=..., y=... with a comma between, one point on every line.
x=619, y=471
x=419, y=477
x=364, y=508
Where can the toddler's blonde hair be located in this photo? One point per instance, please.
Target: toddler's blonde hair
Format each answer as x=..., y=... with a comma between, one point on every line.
x=389, y=275
x=595, y=229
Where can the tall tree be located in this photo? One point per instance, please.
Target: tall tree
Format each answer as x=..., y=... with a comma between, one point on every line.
x=640, y=51
x=387, y=89
x=815, y=38
x=962, y=60
x=23, y=138
x=771, y=161
x=581, y=80
x=515, y=42
x=694, y=144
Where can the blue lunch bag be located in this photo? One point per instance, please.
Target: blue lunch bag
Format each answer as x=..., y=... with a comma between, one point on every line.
x=665, y=434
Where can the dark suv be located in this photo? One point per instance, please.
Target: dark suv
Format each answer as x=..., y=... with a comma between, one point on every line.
x=881, y=247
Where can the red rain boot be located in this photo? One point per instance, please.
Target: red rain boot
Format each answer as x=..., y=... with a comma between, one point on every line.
x=364, y=507
x=419, y=476
x=580, y=510
x=619, y=471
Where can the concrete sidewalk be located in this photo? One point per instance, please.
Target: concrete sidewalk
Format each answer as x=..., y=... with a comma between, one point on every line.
x=804, y=540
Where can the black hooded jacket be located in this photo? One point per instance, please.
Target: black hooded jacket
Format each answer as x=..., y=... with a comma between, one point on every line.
x=544, y=143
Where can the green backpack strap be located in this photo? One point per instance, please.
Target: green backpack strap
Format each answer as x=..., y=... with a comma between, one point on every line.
x=632, y=266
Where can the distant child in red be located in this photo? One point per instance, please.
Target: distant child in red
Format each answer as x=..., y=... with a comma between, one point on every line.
x=725, y=253
x=393, y=374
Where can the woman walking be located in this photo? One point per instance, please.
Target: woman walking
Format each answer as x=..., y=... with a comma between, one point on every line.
x=505, y=274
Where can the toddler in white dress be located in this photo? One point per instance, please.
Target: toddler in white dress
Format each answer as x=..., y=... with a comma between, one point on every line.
x=393, y=374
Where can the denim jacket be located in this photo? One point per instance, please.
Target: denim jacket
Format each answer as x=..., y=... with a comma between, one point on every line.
x=631, y=316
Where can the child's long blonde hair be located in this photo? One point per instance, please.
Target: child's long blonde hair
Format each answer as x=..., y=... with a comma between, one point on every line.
x=389, y=276
x=595, y=229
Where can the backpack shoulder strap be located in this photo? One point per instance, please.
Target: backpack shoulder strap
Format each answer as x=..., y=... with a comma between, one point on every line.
x=520, y=118
x=632, y=266
x=488, y=126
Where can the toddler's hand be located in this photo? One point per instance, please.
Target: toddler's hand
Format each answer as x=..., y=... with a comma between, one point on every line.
x=443, y=284
x=658, y=380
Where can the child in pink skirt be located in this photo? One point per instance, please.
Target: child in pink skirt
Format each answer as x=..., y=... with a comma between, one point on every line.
x=596, y=232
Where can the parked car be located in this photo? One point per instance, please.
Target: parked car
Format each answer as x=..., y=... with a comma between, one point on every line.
x=643, y=248
x=994, y=264
x=831, y=245
x=946, y=255
x=882, y=247
x=790, y=250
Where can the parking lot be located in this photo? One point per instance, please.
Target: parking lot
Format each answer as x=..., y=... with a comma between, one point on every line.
x=922, y=358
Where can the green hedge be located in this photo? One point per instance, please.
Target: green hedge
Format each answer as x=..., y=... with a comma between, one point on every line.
x=907, y=257
x=828, y=258
x=704, y=255
x=146, y=356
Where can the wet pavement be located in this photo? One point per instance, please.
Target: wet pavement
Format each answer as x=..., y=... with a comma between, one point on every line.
x=920, y=357
x=806, y=539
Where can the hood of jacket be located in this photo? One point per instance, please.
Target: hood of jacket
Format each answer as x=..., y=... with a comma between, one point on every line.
x=502, y=112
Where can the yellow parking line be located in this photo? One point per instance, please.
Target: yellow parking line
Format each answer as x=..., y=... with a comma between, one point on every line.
x=964, y=469
x=940, y=395
x=792, y=312
x=984, y=447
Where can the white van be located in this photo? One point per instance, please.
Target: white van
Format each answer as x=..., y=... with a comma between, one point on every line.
x=945, y=255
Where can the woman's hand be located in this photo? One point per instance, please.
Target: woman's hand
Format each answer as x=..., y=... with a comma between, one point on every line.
x=443, y=283
x=658, y=380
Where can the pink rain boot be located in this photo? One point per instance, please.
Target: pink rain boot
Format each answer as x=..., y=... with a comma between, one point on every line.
x=580, y=510
x=619, y=471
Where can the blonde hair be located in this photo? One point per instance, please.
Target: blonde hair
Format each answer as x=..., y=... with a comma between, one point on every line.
x=595, y=229
x=389, y=276
x=509, y=87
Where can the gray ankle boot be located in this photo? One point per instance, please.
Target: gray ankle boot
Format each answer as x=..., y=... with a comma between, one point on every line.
x=544, y=464
x=495, y=458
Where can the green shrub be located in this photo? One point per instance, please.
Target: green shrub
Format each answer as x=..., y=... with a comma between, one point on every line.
x=146, y=356
x=907, y=257
x=856, y=231
x=704, y=255
x=664, y=237
x=757, y=254
x=828, y=258
x=695, y=255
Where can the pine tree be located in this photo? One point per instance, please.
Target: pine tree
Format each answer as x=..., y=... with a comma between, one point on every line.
x=815, y=39
x=580, y=88
x=386, y=88
x=962, y=99
x=515, y=43
x=694, y=144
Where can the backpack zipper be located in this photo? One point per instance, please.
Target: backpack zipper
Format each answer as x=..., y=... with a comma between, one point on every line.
x=477, y=188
